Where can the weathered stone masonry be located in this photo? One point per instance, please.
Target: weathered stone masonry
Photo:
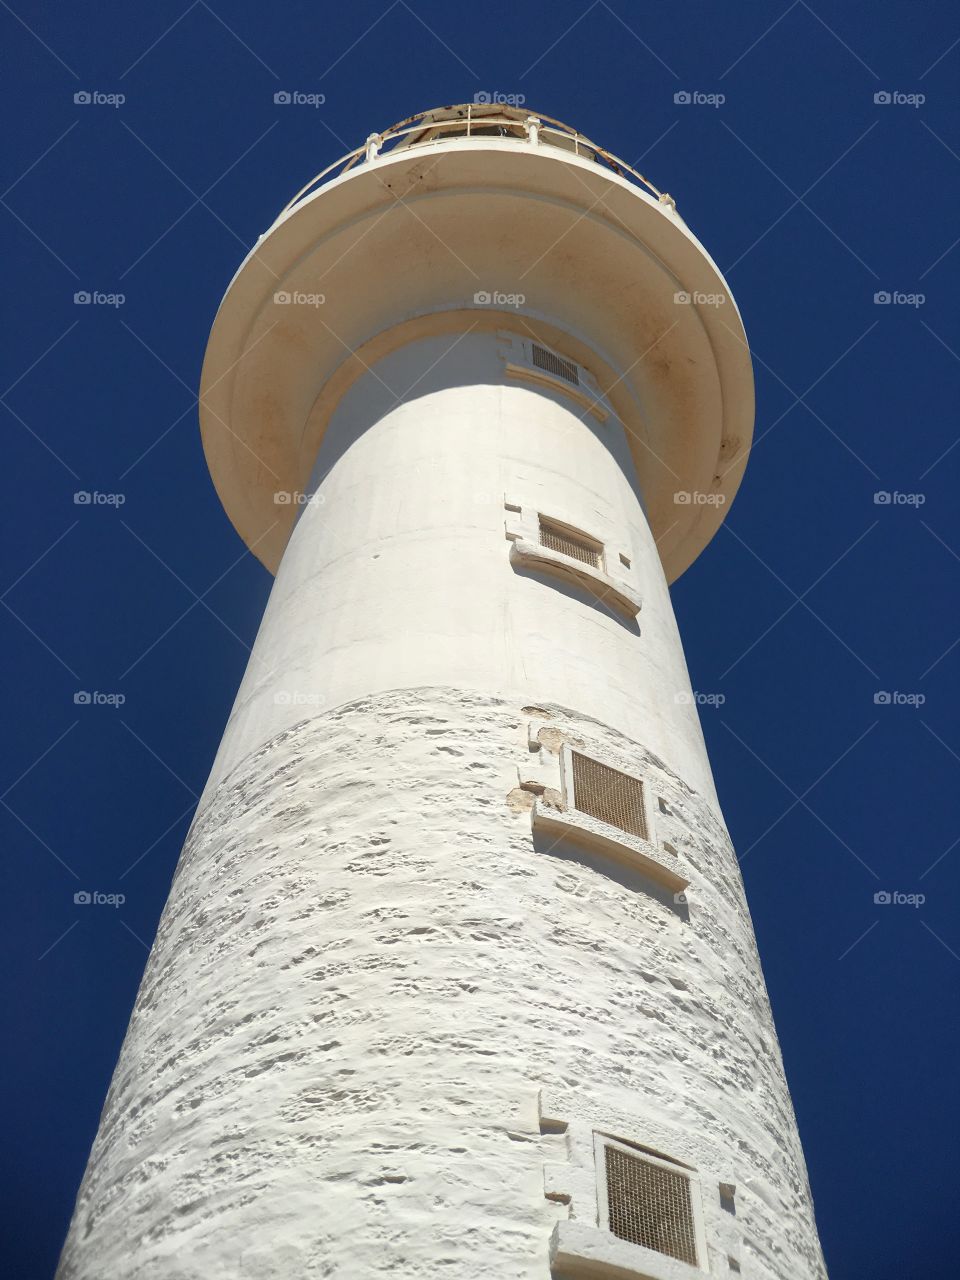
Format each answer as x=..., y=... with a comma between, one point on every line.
x=369, y=984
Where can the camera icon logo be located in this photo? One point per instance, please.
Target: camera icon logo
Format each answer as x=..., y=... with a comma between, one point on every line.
x=882, y=98
x=482, y=98
x=82, y=98
x=482, y=298
x=82, y=699
x=682, y=499
x=882, y=897
x=682, y=298
x=82, y=498
x=680, y=899
x=82, y=299
x=282, y=498
x=682, y=98
x=282, y=299
x=882, y=299
x=882, y=698
x=882, y=498
x=282, y=98
x=82, y=898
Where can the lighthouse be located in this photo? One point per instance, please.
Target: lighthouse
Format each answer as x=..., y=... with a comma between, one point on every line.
x=457, y=977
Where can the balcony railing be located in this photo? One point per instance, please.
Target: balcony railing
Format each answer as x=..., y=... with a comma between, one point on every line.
x=431, y=128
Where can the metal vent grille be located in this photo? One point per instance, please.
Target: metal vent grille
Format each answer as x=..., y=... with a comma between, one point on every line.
x=650, y=1205
x=559, y=538
x=550, y=363
x=609, y=795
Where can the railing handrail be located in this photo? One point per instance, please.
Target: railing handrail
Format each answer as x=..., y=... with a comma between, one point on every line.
x=518, y=123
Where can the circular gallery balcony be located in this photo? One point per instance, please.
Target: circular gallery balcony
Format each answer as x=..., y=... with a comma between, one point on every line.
x=480, y=216
x=477, y=121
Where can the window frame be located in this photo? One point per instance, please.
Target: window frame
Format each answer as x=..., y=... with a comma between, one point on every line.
x=600, y=1143
x=564, y=529
x=543, y=364
x=569, y=795
x=611, y=588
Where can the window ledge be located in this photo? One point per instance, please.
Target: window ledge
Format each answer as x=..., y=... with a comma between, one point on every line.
x=532, y=555
x=582, y=1252
x=571, y=824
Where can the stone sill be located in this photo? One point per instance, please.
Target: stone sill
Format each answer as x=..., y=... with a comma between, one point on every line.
x=571, y=824
x=582, y=1252
x=532, y=555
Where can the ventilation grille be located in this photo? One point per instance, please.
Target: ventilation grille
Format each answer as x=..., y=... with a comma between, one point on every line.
x=609, y=795
x=558, y=538
x=650, y=1205
x=546, y=360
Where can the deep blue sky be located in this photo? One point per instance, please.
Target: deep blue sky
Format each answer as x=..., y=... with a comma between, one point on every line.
x=812, y=599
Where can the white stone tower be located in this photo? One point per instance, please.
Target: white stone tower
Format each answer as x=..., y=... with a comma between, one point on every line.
x=456, y=977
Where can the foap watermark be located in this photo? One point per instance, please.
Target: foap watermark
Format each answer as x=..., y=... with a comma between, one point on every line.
x=96, y=98
x=896, y=298
x=297, y=298
x=694, y=498
x=94, y=898
x=94, y=298
x=495, y=298
x=695, y=98
x=85, y=698
x=894, y=498
x=294, y=498
x=894, y=898
x=696, y=699
x=488, y=98
x=296, y=698
x=94, y=498
x=894, y=698
x=294, y=98
x=698, y=299
x=896, y=98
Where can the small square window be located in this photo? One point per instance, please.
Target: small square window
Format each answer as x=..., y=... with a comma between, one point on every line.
x=608, y=811
x=650, y=1201
x=570, y=542
x=552, y=363
x=609, y=795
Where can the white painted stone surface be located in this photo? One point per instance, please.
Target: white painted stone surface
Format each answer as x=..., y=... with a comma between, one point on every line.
x=381, y=1018
x=398, y=576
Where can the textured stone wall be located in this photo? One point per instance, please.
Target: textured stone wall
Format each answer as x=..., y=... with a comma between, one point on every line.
x=377, y=1010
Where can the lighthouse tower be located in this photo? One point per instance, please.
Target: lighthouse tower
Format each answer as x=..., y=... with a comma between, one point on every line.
x=456, y=978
